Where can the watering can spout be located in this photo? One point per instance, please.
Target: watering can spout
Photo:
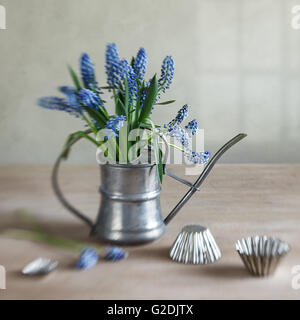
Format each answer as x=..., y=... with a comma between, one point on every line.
x=195, y=187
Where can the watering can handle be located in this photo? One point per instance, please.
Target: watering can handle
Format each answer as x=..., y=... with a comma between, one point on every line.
x=195, y=187
x=56, y=187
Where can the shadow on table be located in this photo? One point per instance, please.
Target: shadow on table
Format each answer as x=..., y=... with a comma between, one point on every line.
x=153, y=253
x=216, y=270
x=225, y=271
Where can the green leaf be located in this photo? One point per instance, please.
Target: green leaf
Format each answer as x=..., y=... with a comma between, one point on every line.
x=161, y=166
x=158, y=157
x=138, y=105
x=120, y=107
x=132, y=61
x=157, y=151
x=126, y=96
x=165, y=103
x=75, y=79
x=123, y=144
x=96, y=115
x=150, y=99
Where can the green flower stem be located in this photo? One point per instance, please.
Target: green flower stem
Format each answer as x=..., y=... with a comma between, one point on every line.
x=51, y=240
x=84, y=135
x=104, y=112
x=173, y=145
x=91, y=126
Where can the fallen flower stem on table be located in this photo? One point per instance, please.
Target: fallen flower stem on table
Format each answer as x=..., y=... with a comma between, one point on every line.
x=51, y=240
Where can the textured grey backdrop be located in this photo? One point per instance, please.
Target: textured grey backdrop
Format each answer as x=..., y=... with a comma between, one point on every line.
x=237, y=65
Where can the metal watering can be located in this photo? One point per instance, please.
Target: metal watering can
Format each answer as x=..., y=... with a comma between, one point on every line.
x=130, y=212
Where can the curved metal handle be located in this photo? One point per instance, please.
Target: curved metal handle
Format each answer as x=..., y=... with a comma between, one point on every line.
x=204, y=174
x=57, y=189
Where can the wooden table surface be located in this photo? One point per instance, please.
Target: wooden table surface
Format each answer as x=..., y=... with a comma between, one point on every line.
x=235, y=201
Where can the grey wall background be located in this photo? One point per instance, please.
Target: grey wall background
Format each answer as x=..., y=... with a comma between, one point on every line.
x=237, y=65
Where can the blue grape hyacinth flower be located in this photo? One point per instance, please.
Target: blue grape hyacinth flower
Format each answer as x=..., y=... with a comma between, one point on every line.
x=88, y=259
x=87, y=72
x=167, y=73
x=140, y=64
x=180, y=135
x=55, y=103
x=182, y=114
x=144, y=94
x=71, y=96
x=112, y=65
x=192, y=127
x=113, y=126
x=90, y=99
x=184, y=136
x=197, y=157
x=126, y=71
x=115, y=253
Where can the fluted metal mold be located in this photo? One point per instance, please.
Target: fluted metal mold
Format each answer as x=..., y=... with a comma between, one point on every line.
x=195, y=245
x=261, y=254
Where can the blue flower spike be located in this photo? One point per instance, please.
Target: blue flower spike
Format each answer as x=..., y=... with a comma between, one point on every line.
x=114, y=125
x=140, y=64
x=182, y=114
x=112, y=64
x=126, y=71
x=115, y=253
x=167, y=73
x=88, y=259
x=90, y=99
x=55, y=103
x=71, y=96
x=192, y=127
x=197, y=157
x=174, y=130
x=87, y=71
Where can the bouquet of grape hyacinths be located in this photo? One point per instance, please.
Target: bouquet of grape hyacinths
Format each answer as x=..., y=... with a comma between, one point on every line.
x=134, y=99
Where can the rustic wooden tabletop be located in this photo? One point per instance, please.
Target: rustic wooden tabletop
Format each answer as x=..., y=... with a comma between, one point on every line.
x=235, y=201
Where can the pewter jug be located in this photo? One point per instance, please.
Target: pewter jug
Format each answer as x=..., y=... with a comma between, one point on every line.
x=130, y=204
x=130, y=212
